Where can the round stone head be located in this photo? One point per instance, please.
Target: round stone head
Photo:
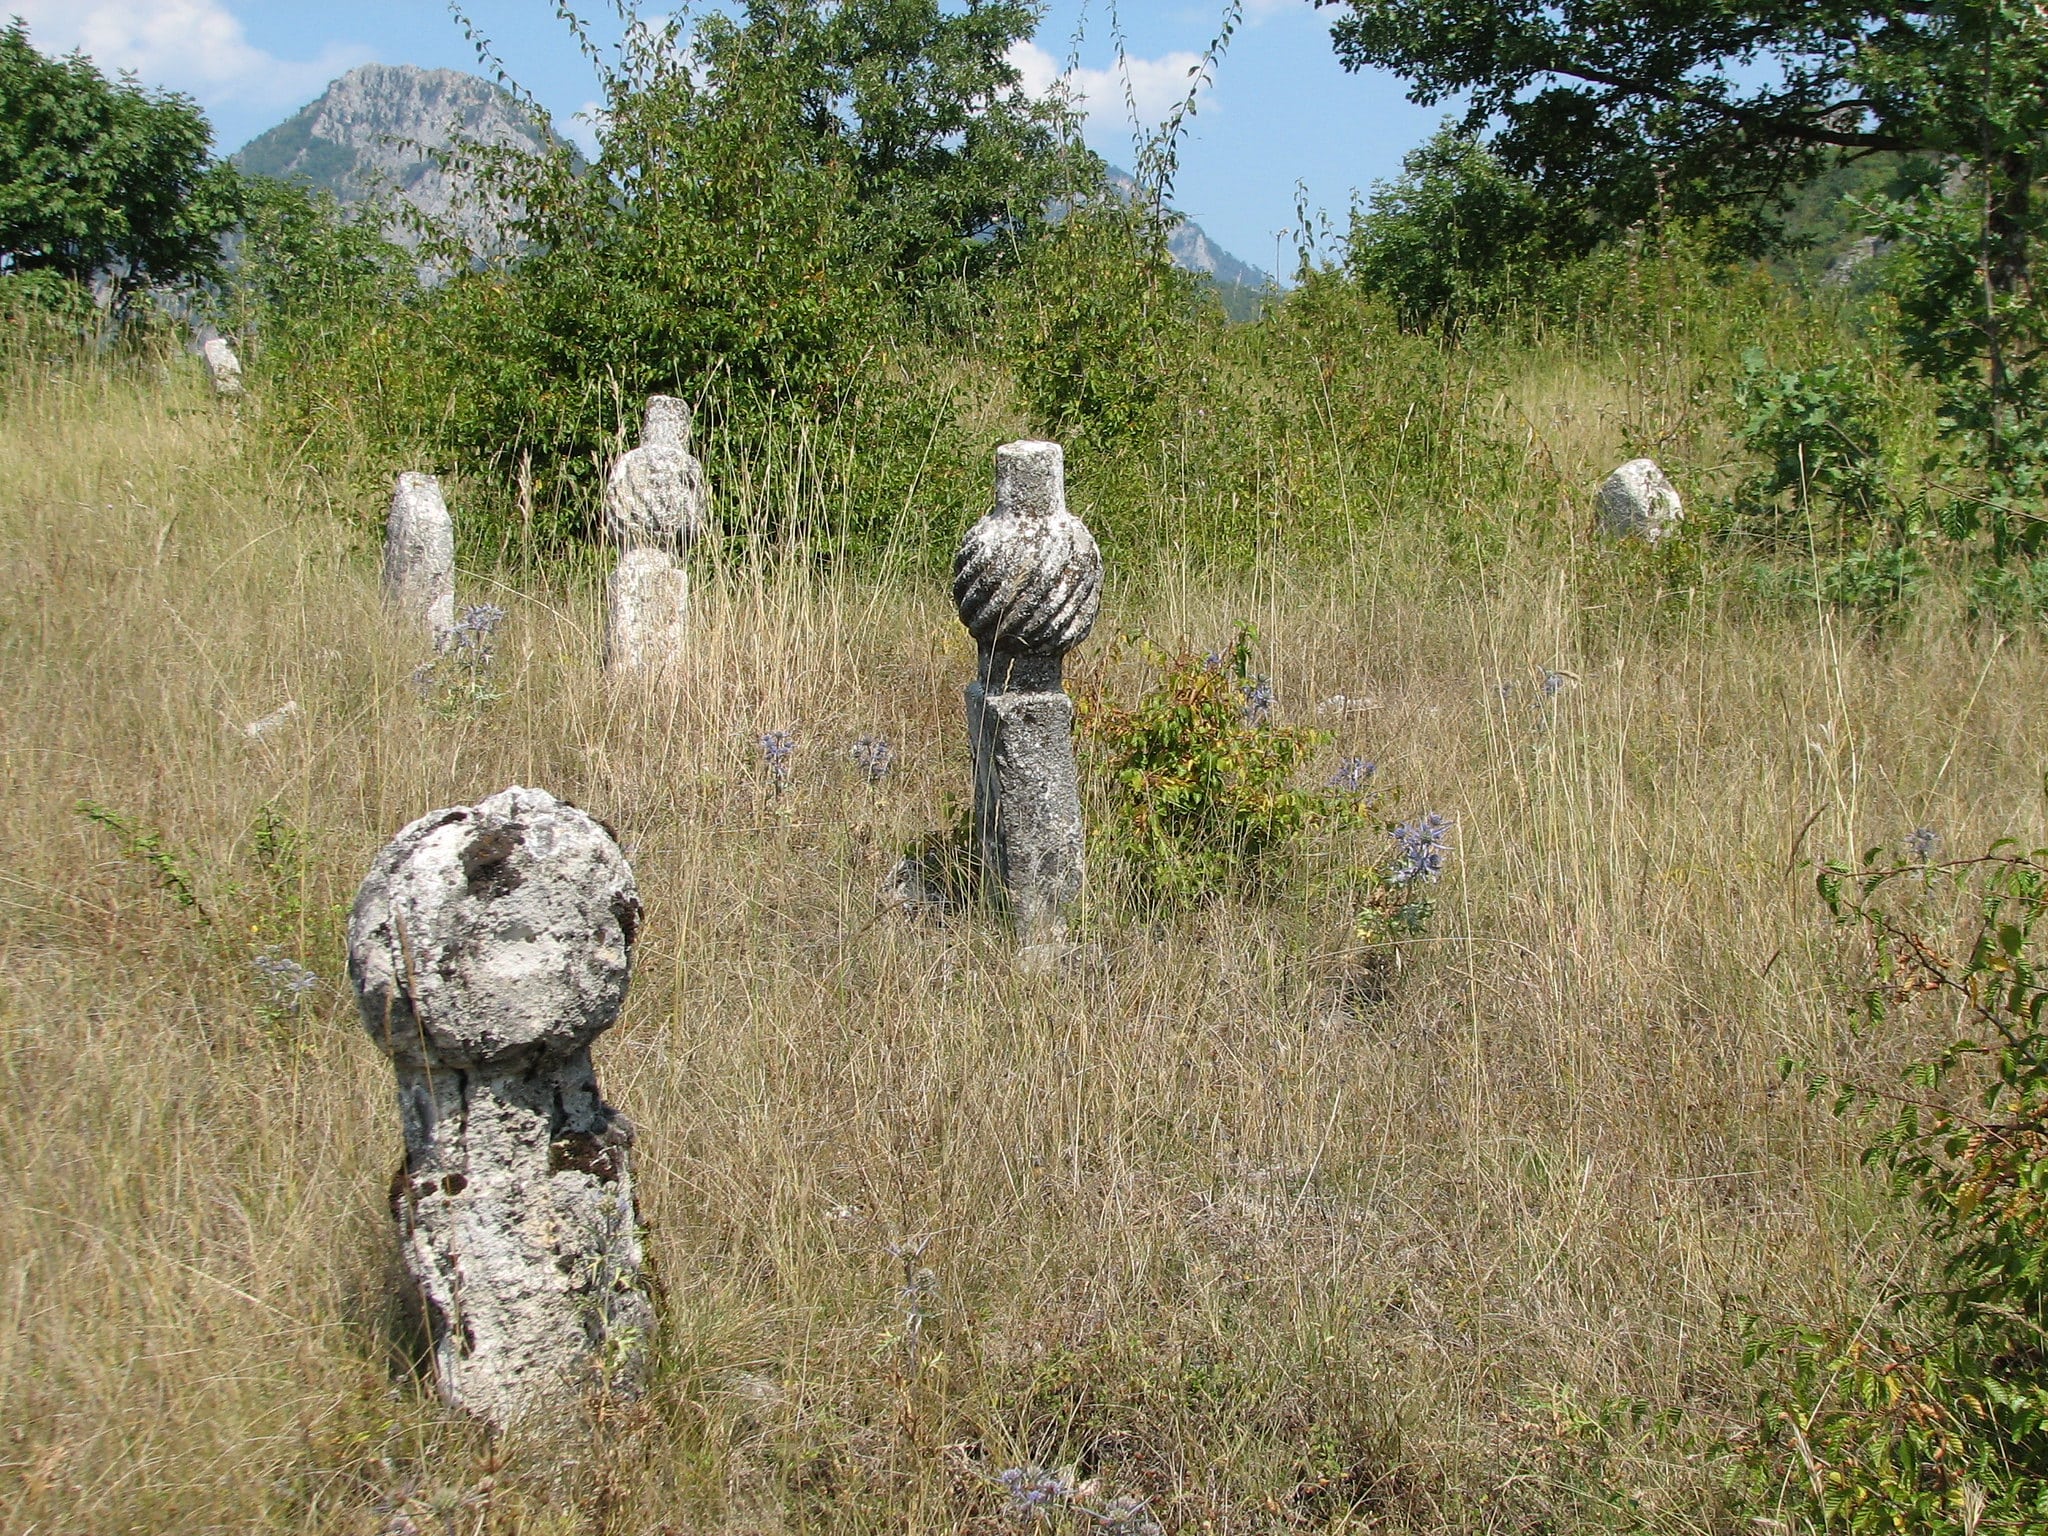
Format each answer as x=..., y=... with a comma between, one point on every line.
x=1028, y=577
x=494, y=933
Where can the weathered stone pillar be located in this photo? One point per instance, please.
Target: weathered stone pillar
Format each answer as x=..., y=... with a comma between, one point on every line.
x=654, y=506
x=1637, y=501
x=1028, y=583
x=222, y=364
x=489, y=945
x=647, y=601
x=419, y=554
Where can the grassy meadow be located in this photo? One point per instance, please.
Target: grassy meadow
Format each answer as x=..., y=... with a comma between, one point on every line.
x=1195, y=1222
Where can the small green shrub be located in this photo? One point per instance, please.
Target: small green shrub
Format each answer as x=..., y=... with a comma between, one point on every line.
x=1198, y=778
x=1202, y=801
x=1818, y=431
x=2011, y=596
x=1929, y=1413
x=1881, y=581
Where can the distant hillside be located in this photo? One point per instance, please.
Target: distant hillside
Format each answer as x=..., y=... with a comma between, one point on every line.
x=1239, y=284
x=371, y=131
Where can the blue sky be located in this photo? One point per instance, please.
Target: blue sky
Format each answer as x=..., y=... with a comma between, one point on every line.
x=1280, y=110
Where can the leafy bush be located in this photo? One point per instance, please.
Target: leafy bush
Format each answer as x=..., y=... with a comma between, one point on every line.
x=2011, y=595
x=1202, y=803
x=772, y=220
x=1981, y=338
x=1097, y=324
x=41, y=304
x=1818, y=431
x=1930, y=1413
x=1825, y=483
x=1453, y=237
x=1880, y=582
x=300, y=260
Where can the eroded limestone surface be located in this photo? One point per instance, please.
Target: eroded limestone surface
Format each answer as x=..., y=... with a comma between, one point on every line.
x=1028, y=577
x=1028, y=584
x=1637, y=501
x=654, y=509
x=222, y=364
x=656, y=496
x=419, y=554
x=489, y=946
x=646, y=611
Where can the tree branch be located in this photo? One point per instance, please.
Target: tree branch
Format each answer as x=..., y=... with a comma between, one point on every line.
x=1803, y=130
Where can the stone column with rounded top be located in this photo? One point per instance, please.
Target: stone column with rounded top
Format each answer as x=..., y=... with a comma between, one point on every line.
x=489, y=946
x=222, y=365
x=654, y=509
x=1028, y=584
x=419, y=554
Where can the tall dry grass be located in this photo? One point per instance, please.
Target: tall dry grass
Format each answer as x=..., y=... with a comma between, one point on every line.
x=1189, y=1220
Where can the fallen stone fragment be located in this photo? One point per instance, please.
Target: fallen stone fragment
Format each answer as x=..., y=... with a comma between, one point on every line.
x=1637, y=501
x=257, y=729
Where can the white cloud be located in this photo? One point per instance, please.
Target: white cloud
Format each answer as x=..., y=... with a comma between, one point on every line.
x=1105, y=97
x=196, y=46
x=582, y=127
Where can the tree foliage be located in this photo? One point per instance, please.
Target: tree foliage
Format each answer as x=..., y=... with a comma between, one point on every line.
x=1453, y=236
x=777, y=197
x=1710, y=107
x=100, y=176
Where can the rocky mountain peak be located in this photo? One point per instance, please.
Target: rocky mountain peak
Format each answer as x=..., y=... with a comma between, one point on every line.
x=372, y=133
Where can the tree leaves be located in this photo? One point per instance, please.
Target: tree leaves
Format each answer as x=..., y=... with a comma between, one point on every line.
x=98, y=176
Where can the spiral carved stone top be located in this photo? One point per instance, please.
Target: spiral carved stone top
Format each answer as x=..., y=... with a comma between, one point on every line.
x=656, y=496
x=1028, y=578
x=494, y=933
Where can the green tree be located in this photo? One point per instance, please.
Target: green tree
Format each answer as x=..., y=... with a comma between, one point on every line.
x=300, y=254
x=1712, y=107
x=105, y=177
x=706, y=241
x=774, y=204
x=952, y=163
x=1455, y=234
x=1098, y=323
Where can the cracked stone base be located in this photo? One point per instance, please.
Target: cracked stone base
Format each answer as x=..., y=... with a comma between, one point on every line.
x=515, y=1217
x=1027, y=810
x=647, y=612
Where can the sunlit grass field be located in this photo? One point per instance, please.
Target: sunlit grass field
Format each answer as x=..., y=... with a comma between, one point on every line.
x=1194, y=1223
